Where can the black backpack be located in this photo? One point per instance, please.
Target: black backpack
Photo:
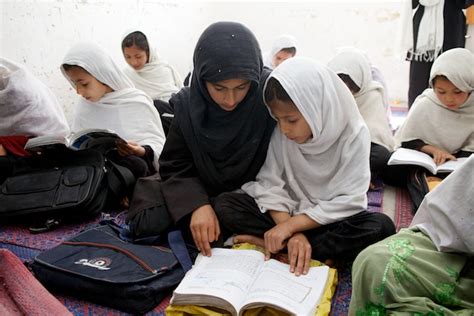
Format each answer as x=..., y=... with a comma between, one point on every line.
x=58, y=186
x=99, y=266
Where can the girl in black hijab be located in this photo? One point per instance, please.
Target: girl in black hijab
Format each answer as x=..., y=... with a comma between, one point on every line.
x=220, y=133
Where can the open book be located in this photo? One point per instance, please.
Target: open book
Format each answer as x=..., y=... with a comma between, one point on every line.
x=238, y=280
x=87, y=138
x=405, y=156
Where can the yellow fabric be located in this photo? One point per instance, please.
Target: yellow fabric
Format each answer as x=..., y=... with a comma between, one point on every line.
x=324, y=306
x=433, y=182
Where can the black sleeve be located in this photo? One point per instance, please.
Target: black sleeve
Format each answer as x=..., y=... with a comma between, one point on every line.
x=415, y=144
x=463, y=153
x=182, y=188
x=148, y=157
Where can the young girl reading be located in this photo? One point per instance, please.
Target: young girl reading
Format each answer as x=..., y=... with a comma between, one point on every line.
x=29, y=109
x=283, y=47
x=427, y=269
x=310, y=195
x=147, y=70
x=109, y=100
x=150, y=73
x=220, y=133
x=354, y=69
x=441, y=121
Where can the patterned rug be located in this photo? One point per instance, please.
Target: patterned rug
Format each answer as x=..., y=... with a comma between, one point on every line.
x=26, y=246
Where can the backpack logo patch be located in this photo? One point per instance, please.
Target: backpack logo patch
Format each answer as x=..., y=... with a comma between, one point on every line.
x=98, y=263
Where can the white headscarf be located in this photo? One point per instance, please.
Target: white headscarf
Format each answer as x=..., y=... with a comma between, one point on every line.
x=446, y=214
x=327, y=177
x=370, y=98
x=430, y=35
x=27, y=105
x=281, y=42
x=157, y=78
x=432, y=122
x=127, y=110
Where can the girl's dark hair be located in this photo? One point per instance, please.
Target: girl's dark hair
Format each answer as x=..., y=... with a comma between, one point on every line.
x=274, y=90
x=139, y=40
x=290, y=50
x=68, y=67
x=438, y=77
x=349, y=83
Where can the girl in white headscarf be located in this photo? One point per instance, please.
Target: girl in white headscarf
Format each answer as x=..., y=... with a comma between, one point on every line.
x=109, y=100
x=441, y=121
x=283, y=47
x=353, y=68
x=427, y=268
x=310, y=195
x=28, y=109
x=150, y=73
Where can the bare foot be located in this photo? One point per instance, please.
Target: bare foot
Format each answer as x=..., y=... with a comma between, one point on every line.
x=249, y=239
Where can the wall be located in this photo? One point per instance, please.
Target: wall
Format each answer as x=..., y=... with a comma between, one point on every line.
x=39, y=33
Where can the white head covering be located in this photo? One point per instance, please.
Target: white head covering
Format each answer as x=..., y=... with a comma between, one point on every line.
x=281, y=42
x=370, y=98
x=446, y=214
x=27, y=106
x=327, y=177
x=157, y=78
x=127, y=110
x=432, y=122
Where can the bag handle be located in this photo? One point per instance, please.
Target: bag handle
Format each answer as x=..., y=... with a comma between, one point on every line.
x=177, y=245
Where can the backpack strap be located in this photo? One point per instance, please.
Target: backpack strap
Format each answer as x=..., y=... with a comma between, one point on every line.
x=177, y=245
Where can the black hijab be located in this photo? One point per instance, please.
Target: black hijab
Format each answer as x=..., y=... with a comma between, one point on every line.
x=228, y=147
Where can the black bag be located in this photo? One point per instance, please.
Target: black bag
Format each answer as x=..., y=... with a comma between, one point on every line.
x=65, y=185
x=98, y=266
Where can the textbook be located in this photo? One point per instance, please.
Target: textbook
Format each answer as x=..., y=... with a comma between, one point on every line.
x=81, y=140
x=236, y=280
x=405, y=156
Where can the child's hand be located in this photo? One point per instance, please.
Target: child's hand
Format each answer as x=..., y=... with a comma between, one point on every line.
x=439, y=155
x=299, y=254
x=204, y=228
x=276, y=238
x=130, y=148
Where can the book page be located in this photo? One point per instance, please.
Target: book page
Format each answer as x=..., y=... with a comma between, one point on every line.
x=277, y=286
x=227, y=274
x=405, y=156
x=451, y=165
x=45, y=140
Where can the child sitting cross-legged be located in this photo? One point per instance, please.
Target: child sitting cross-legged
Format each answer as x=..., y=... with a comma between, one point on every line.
x=310, y=195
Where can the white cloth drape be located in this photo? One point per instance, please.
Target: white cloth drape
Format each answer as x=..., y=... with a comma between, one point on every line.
x=127, y=111
x=446, y=214
x=27, y=106
x=157, y=78
x=327, y=177
x=434, y=123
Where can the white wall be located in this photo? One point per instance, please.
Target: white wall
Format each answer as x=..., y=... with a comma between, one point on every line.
x=39, y=33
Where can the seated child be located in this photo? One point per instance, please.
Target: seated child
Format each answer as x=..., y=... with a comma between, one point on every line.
x=29, y=109
x=284, y=47
x=427, y=269
x=310, y=194
x=109, y=100
x=147, y=70
x=441, y=121
x=354, y=69
x=150, y=73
